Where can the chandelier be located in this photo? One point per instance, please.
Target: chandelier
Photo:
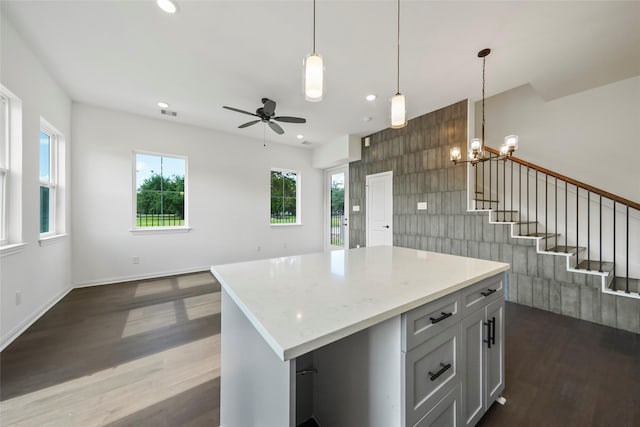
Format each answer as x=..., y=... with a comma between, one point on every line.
x=476, y=151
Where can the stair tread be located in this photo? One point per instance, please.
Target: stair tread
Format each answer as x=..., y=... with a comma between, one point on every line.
x=487, y=200
x=620, y=284
x=496, y=210
x=565, y=249
x=594, y=265
x=538, y=235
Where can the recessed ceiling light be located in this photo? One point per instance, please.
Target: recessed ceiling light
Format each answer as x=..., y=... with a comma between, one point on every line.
x=300, y=136
x=167, y=5
x=370, y=97
x=163, y=104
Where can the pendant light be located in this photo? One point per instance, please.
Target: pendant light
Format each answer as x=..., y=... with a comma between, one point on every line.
x=398, y=110
x=313, y=77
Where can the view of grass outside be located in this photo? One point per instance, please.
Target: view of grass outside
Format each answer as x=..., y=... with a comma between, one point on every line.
x=151, y=220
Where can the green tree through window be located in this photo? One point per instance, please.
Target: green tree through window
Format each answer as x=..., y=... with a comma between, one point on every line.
x=160, y=192
x=284, y=186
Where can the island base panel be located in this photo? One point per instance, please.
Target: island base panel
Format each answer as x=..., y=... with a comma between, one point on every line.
x=256, y=387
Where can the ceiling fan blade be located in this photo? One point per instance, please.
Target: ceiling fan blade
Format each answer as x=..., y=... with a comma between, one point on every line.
x=276, y=128
x=239, y=111
x=252, y=122
x=290, y=119
x=269, y=107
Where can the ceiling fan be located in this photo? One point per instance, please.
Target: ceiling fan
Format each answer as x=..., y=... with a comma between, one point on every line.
x=266, y=114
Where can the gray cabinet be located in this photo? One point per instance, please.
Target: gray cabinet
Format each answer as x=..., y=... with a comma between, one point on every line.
x=453, y=356
x=483, y=358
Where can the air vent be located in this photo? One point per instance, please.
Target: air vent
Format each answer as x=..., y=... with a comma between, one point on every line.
x=168, y=113
x=306, y=143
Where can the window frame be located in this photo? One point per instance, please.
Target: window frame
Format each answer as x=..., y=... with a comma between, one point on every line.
x=298, y=197
x=5, y=168
x=52, y=184
x=160, y=229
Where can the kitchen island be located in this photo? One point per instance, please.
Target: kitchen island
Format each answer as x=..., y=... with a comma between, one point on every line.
x=380, y=336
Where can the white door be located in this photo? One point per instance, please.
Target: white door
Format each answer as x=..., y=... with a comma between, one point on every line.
x=336, y=208
x=379, y=206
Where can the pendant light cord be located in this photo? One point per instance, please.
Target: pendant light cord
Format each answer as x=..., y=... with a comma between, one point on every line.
x=314, y=27
x=398, y=70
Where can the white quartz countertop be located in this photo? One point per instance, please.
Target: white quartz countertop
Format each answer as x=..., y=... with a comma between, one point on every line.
x=301, y=303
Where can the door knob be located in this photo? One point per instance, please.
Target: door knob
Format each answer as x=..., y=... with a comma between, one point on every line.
x=385, y=226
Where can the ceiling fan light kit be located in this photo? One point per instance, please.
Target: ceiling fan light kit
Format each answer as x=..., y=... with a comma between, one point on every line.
x=313, y=70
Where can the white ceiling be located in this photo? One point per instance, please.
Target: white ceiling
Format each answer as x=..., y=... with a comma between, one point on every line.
x=128, y=55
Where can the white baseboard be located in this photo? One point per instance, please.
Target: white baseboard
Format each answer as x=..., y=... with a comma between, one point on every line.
x=131, y=278
x=24, y=325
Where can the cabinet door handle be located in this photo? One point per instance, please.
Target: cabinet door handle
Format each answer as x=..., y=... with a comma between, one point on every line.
x=489, y=339
x=489, y=292
x=493, y=330
x=441, y=371
x=441, y=318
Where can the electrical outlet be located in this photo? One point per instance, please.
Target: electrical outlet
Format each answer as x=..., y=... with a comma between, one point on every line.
x=18, y=297
x=422, y=206
x=259, y=249
x=136, y=260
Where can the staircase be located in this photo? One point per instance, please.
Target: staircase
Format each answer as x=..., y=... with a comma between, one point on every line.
x=597, y=232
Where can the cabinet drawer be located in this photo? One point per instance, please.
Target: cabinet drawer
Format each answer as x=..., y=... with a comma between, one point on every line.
x=445, y=414
x=422, y=323
x=430, y=372
x=482, y=293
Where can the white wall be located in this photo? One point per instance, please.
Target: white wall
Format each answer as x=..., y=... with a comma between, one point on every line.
x=228, y=192
x=40, y=273
x=592, y=136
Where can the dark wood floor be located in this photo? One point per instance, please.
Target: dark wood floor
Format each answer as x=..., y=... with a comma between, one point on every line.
x=148, y=354
x=566, y=372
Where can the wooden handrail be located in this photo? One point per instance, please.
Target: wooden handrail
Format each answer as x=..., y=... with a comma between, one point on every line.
x=571, y=181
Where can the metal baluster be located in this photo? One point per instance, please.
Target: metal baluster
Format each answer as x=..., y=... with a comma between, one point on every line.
x=589, y=230
x=483, y=176
x=600, y=234
x=490, y=173
x=504, y=187
x=528, y=211
x=556, y=208
x=475, y=195
x=536, y=201
x=626, y=289
x=546, y=203
x=511, y=214
x=520, y=196
x=566, y=210
x=614, y=243
x=577, y=227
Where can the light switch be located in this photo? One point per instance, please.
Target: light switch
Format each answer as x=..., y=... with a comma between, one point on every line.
x=356, y=208
x=422, y=206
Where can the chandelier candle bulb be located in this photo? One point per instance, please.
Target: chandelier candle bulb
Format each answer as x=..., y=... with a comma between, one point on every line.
x=511, y=141
x=476, y=144
x=455, y=154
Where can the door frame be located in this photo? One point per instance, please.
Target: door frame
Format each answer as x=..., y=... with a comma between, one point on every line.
x=367, y=201
x=326, y=228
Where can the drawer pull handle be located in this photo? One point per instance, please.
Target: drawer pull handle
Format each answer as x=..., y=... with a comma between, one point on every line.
x=441, y=371
x=441, y=318
x=489, y=292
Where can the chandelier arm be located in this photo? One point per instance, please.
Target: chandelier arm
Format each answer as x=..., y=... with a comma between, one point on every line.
x=314, y=27
x=398, y=69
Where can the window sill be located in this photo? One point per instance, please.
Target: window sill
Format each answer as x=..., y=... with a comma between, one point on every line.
x=49, y=240
x=160, y=230
x=12, y=248
x=285, y=224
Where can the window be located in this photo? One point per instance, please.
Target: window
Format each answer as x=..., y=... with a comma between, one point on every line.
x=4, y=165
x=285, y=197
x=48, y=165
x=160, y=191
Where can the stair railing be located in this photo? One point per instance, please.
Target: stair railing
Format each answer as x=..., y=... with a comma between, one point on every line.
x=498, y=187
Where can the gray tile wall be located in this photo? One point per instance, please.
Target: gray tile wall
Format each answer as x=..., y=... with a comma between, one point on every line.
x=418, y=155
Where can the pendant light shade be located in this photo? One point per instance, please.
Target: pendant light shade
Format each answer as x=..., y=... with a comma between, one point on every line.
x=398, y=111
x=313, y=77
x=313, y=70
